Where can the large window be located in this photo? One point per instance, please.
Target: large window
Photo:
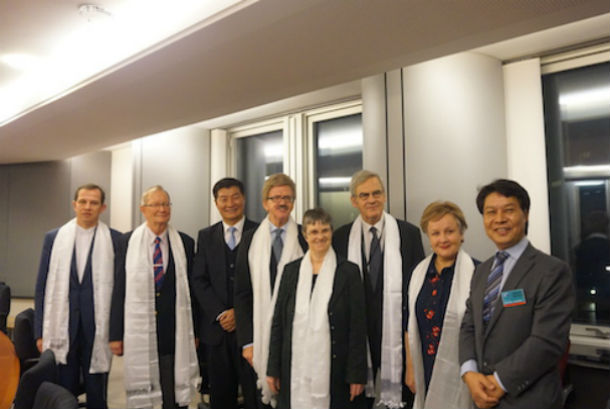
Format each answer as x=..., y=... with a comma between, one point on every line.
x=256, y=157
x=334, y=136
x=577, y=123
x=319, y=148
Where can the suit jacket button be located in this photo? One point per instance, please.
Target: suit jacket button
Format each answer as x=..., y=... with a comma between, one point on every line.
x=334, y=356
x=332, y=327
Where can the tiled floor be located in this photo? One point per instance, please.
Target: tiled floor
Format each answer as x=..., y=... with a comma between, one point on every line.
x=116, y=389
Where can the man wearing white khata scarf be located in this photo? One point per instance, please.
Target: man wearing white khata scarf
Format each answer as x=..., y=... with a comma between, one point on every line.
x=386, y=250
x=151, y=320
x=261, y=258
x=73, y=293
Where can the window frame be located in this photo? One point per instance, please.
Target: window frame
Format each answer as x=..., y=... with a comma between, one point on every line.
x=586, y=339
x=298, y=136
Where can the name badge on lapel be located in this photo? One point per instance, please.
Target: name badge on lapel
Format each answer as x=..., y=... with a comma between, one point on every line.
x=513, y=298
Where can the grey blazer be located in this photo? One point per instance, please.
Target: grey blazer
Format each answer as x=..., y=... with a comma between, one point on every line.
x=523, y=343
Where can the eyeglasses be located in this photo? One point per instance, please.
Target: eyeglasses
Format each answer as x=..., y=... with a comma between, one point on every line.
x=365, y=195
x=278, y=199
x=158, y=205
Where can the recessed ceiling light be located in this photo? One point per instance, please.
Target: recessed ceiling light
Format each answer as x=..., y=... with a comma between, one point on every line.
x=93, y=12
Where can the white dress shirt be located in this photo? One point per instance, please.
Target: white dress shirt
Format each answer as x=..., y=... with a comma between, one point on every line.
x=150, y=238
x=239, y=229
x=82, y=245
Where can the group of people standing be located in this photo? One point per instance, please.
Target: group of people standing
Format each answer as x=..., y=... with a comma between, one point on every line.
x=304, y=316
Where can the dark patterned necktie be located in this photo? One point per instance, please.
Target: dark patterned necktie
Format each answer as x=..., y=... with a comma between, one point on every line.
x=374, y=258
x=493, y=285
x=158, y=264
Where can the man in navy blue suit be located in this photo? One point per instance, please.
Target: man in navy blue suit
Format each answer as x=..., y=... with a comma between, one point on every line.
x=73, y=294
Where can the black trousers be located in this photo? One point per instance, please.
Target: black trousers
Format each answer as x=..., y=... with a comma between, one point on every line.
x=226, y=370
x=77, y=368
x=166, y=374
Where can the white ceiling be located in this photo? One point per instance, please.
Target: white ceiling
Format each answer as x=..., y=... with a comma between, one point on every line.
x=260, y=52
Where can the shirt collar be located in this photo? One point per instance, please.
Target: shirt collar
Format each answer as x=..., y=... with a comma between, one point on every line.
x=273, y=227
x=239, y=226
x=152, y=236
x=432, y=268
x=515, y=251
x=379, y=225
x=83, y=230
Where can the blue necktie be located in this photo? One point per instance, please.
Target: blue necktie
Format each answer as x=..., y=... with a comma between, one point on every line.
x=493, y=285
x=277, y=245
x=158, y=264
x=232, y=241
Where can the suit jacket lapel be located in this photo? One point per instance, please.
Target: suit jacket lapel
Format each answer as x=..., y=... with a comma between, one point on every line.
x=218, y=272
x=521, y=268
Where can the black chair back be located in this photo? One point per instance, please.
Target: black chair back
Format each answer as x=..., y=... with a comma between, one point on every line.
x=53, y=396
x=5, y=305
x=44, y=370
x=23, y=338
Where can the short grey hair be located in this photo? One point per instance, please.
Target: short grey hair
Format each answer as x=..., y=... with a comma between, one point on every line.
x=318, y=214
x=151, y=190
x=360, y=177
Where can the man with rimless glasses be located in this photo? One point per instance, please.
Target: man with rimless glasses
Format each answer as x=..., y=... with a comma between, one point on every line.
x=151, y=320
x=260, y=262
x=386, y=250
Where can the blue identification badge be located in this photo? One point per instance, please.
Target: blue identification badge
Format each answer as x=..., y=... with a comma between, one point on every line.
x=513, y=298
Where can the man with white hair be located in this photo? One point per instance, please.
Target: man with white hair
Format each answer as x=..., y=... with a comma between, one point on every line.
x=151, y=320
x=386, y=250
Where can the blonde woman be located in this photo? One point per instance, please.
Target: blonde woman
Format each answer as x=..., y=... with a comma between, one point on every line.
x=438, y=291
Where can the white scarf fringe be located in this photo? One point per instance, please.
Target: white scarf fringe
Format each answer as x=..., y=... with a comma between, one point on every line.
x=259, y=256
x=446, y=387
x=391, y=341
x=142, y=382
x=55, y=332
x=310, y=370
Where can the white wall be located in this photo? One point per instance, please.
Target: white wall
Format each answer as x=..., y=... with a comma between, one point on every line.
x=526, y=150
x=454, y=136
x=122, y=188
x=179, y=160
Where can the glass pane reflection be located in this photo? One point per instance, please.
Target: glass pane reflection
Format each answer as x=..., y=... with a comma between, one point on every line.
x=577, y=122
x=257, y=157
x=338, y=154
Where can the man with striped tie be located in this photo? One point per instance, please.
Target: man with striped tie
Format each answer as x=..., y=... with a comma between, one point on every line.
x=518, y=315
x=151, y=320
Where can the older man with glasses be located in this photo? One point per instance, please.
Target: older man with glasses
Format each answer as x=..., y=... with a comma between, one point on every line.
x=151, y=321
x=260, y=261
x=386, y=250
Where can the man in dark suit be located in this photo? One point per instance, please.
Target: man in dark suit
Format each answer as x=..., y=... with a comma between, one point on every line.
x=260, y=262
x=518, y=315
x=376, y=241
x=73, y=293
x=213, y=277
x=153, y=269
